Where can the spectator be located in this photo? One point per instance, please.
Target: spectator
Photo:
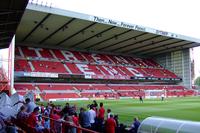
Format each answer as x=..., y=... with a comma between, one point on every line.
x=46, y=121
x=110, y=125
x=33, y=120
x=101, y=117
x=108, y=113
x=30, y=105
x=122, y=128
x=135, y=125
x=92, y=116
x=116, y=120
x=22, y=115
x=42, y=108
x=47, y=110
x=55, y=124
x=95, y=104
x=67, y=110
x=76, y=122
x=84, y=118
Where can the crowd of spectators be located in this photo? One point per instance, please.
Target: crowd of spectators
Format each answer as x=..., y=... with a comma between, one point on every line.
x=66, y=119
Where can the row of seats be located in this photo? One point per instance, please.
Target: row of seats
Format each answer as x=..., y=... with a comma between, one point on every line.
x=60, y=91
x=96, y=71
x=82, y=57
x=97, y=65
x=62, y=86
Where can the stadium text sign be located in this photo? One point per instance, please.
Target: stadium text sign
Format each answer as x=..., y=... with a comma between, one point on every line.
x=119, y=24
x=132, y=26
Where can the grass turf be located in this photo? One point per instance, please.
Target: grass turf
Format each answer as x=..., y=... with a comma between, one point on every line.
x=186, y=108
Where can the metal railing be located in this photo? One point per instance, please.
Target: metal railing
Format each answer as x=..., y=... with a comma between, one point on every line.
x=67, y=125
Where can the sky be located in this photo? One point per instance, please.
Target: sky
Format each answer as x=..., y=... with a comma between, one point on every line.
x=178, y=16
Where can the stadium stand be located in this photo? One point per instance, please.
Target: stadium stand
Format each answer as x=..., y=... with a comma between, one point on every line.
x=49, y=91
x=45, y=62
x=94, y=65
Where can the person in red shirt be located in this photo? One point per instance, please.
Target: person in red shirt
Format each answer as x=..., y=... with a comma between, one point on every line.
x=110, y=125
x=54, y=123
x=101, y=111
x=76, y=121
x=33, y=120
x=101, y=117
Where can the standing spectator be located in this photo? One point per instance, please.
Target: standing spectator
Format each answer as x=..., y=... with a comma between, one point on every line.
x=34, y=121
x=101, y=117
x=95, y=104
x=47, y=110
x=135, y=125
x=92, y=116
x=76, y=121
x=30, y=105
x=46, y=121
x=84, y=118
x=55, y=124
x=110, y=125
x=116, y=118
x=22, y=115
x=42, y=108
x=108, y=113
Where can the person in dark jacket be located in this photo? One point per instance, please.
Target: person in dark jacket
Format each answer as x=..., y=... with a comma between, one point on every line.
x=135, y=125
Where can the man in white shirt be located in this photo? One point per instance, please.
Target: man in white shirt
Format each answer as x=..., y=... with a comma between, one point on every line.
x=92, y=116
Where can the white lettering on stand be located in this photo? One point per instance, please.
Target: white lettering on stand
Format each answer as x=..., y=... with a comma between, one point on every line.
x=135, y=72
x=85, y=69
x=69, y=55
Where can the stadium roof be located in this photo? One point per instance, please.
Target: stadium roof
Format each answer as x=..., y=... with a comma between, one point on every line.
x=11, y=12
x=43, y=26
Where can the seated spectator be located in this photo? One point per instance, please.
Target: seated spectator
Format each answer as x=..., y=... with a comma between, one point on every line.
x=135, y=125
x=30, y=105
x=122, y=128
x=22, y=115
x=110, y=125
x=33, y=120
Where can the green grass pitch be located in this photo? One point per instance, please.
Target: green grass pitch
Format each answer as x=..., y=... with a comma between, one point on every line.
x=187, y=108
